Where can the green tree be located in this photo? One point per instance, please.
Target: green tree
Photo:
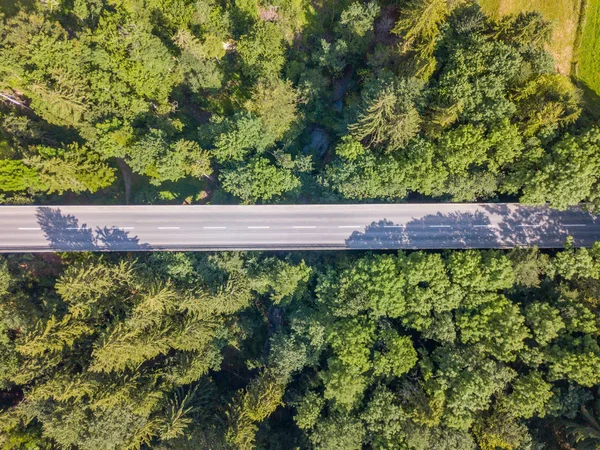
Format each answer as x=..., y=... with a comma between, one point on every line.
x=545, y=322
x=467, y=381
x=390, y=119
x=481, y=270
x=421, y=20
x=261, y=51
x=528, y=28
x=308, y=410
x=577, y=264
x=344, y=384
x=529, y=265
x=5, y=277
x=281, y=279
x=16, y=176
x=258, y=180
x=474, y=158
x=356, y=25
x=419, y=26
x=575, y=359
x=373, y=284
x=546, y=102
x=338, y=431
x=530, y=396
x=384, y=419
x=497, y=326
x=162, y=160
x=567, y=174
x=241, y=134
x=397, y=355
x=73, y=168
x=499, y=431
x=367, y=176
x=333, y=57
x=9, y=362
x=274, y=103
x=136, y=341
x=349, y=148
x=41, y=63
x=475, y=78
x=199, y=59
x=251, y=407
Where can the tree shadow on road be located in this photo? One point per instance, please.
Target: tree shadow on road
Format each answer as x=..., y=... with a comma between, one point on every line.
x=434, y=231
x=510, y=227
x=384, y=234
x=115, y=239
x=64, y=232
x=541, y=226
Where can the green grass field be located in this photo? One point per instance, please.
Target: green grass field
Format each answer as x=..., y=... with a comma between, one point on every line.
x=588, y=54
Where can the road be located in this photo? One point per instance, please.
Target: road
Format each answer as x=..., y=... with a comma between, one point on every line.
x=283, y=227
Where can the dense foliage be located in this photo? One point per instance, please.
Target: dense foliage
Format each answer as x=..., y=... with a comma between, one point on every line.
x=258, y=101
x=454, y=350
x=287, y=100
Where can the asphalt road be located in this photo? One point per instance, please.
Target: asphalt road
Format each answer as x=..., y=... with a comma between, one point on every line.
x=277, y=227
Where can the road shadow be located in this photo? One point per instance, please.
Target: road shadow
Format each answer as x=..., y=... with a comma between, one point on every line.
x=65, y=233
x=494, y=226
x=434, y=231
x=384, y=234
x=544, y=227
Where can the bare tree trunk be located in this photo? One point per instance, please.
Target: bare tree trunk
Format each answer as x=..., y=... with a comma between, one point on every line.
x=13, y=101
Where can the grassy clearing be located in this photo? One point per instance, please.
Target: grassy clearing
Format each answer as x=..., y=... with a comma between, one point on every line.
x=588, y=54
x=563, y=13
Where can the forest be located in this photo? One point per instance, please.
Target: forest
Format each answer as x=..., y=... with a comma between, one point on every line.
x=458, y=350
x=296, y=101
x=256, y=101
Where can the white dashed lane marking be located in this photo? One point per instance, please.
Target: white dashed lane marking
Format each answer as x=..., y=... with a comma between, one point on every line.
x=309, y=227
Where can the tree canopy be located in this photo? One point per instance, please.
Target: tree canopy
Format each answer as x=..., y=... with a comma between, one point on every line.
x=418, y=350
x=444, y=102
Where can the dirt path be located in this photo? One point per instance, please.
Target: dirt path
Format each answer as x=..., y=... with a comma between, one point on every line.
x=126, y=172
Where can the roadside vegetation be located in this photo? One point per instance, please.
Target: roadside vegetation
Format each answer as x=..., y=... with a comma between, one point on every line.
x=588, y=53
x=291, y=101
x=458, y=350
